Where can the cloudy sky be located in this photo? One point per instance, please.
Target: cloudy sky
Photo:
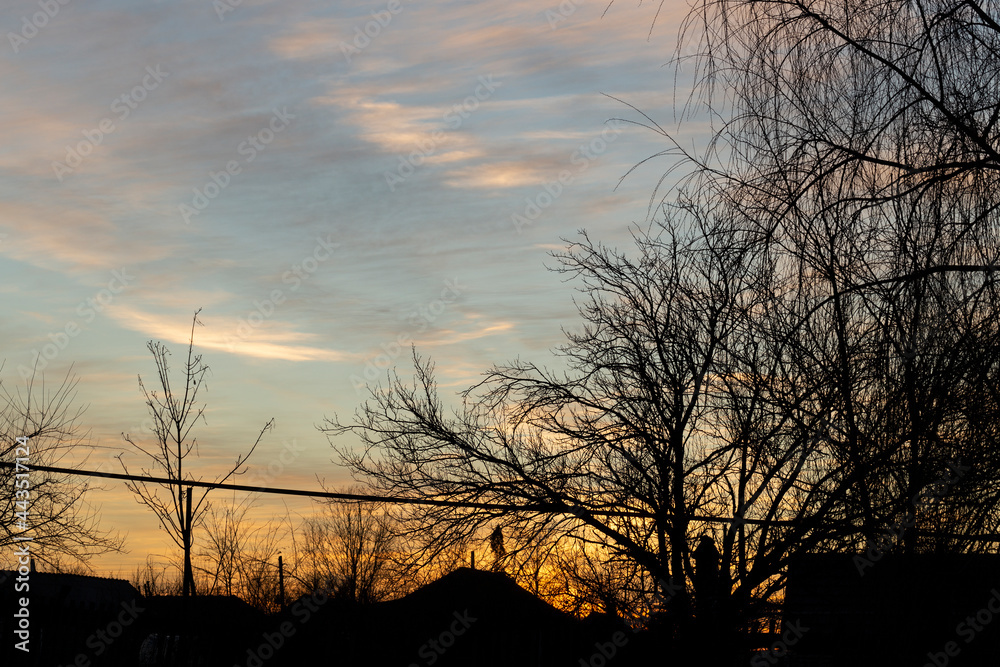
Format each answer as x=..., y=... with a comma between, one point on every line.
x=322, y=180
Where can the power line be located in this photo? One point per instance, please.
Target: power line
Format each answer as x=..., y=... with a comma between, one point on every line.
x=263, y=489
x=537, y=507
x=560, y=508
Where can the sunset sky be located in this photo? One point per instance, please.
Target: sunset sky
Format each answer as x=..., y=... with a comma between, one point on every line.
x=322, y=180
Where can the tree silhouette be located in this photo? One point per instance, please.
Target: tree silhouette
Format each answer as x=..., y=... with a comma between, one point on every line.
x=241, y=556
x=349, y=549
x=60, y=521
x=174, y=415
x=803, y=341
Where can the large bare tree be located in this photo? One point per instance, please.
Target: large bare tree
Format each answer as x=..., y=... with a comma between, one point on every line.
x=717, y=389
x=804, y=344
x=616, y=451
x=860, y=142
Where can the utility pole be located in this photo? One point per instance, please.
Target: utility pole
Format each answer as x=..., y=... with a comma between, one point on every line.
x=186, y=532
x=281, y=583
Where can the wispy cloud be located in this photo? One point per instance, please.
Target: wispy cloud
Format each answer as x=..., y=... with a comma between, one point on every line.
x=274, y=341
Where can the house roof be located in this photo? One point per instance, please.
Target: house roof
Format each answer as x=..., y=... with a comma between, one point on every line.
x=73, y=591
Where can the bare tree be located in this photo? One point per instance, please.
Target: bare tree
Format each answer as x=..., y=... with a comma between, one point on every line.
x=607, y=454
x=805, y=344
x=175, y=413
x=242, y=556
x=860, y=142
x=584, y=581
x=904, y=93
x=151, y=579
x=714, y=377
x=59, y=519
x=349, y=549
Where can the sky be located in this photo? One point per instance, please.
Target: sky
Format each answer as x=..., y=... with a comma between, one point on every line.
x=322, y=180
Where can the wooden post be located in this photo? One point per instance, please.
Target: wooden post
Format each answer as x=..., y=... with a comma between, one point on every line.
x=188, y=572
x=281, y=583
x=185, y=646
x=184, y=539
